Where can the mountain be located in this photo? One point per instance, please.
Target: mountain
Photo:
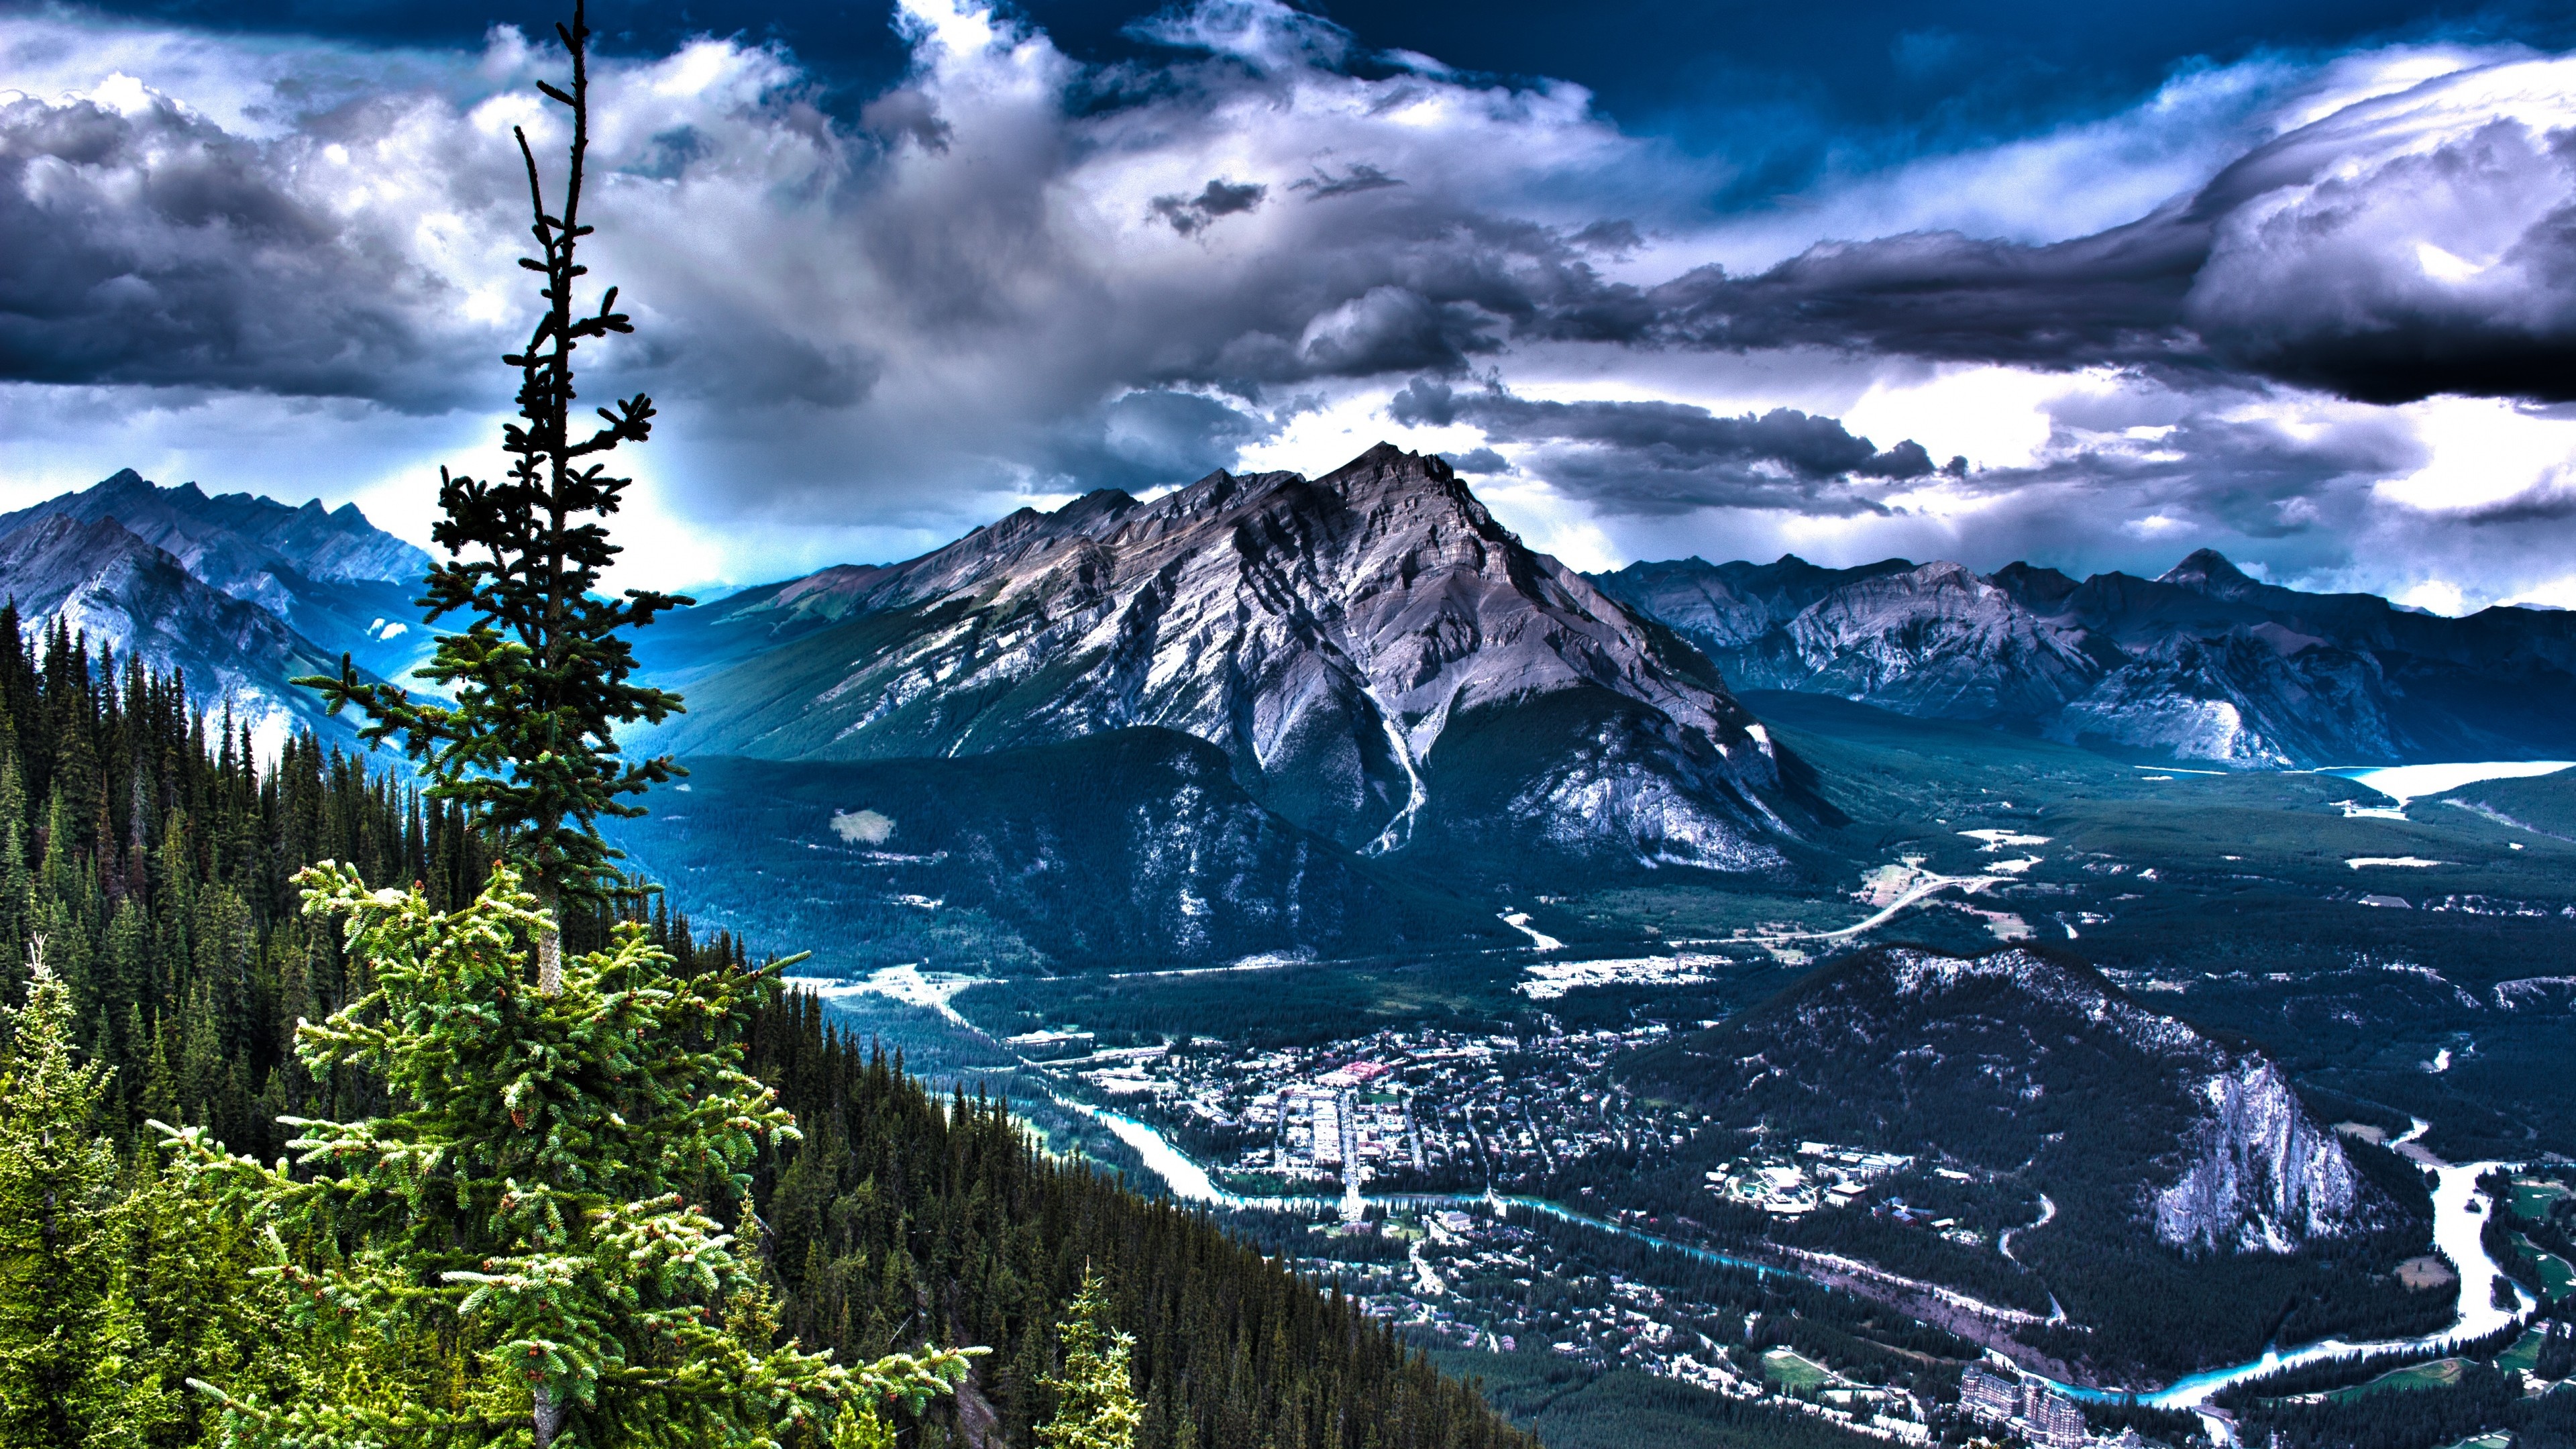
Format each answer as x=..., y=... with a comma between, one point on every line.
x=1380, y=662
x=2158, y=1185
x=331, y=576
x=2201, y=663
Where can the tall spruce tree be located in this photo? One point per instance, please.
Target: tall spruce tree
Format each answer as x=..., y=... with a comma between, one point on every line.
x=1095, y=1395
x=540, y=675
x=526, y=1248
x=67, y=1350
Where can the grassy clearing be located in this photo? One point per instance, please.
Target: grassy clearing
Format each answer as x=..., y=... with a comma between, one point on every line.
x=2524, y=1355
x=2441, y=1373
x=1794, y=1371
x=2557, y=1278
x=2532, y=1199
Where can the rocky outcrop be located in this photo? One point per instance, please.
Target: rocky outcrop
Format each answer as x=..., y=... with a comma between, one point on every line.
x=2263, y=1175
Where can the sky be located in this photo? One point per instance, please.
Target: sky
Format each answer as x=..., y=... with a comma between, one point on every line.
x=1983, y=282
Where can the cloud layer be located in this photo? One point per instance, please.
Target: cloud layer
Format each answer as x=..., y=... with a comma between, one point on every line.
x=2258, y=310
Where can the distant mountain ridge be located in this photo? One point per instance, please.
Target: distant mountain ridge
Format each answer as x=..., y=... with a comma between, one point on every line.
x=242, y=593
x=1381, y=661
x=2201, y=663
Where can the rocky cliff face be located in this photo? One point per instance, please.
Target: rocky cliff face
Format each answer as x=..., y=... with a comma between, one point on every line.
x=2263, y=1175
x=2202, y=663
x=1379, y=659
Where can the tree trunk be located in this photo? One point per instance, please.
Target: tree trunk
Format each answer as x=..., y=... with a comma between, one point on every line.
x=546, y=1418
x=549, y=949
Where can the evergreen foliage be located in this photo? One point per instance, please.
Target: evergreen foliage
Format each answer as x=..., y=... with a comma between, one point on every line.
x=1095, y=1399
x=67, y=1348
x=529, y=1208
x=902, y=1216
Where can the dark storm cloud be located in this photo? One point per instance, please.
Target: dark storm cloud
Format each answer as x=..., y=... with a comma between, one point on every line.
x=1661, y=457
x=2321, y=259
x=1191, y=215
x=2111, y=298
x=1362, y=177
x=152, y=247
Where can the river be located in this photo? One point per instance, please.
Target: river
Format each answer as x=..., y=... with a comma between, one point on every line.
x=2459, y=1216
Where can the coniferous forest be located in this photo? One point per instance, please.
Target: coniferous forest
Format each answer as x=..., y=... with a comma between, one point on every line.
x=154, y=855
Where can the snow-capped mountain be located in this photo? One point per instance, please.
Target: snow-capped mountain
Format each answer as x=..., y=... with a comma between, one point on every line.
x=330, y=575
x=2202, y=663
x=1380, y=660
x=117, y=590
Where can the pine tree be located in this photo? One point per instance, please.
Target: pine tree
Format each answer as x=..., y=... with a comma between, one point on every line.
x=540, y=676
x=1095, y=1397
x=543, y=1203
x=65, y=1349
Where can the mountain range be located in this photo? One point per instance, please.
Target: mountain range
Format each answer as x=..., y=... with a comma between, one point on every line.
x=2201, y=663
x=1386, y=674
x=242, y=593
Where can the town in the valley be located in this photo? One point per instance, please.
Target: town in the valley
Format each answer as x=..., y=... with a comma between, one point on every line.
x=1408, y=1148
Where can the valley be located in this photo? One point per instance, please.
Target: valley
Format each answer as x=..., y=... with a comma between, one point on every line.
x=1502, y=1082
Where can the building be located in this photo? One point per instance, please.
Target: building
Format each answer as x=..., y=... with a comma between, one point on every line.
x=1986, y=1396
x=1043, y=1046
x=2050, y=1418
x=2046, y=1417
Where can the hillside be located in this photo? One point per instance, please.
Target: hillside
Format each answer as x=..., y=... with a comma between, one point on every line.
x=164, y=892
x=992, y=863
x=2165, y=1189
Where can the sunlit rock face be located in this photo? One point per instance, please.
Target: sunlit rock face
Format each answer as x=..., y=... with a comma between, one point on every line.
x=1380, y=660
x=2264, y=1176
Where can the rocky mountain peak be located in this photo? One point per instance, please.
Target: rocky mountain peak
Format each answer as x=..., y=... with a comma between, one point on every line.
x=1330, y=634
x=2207, y=571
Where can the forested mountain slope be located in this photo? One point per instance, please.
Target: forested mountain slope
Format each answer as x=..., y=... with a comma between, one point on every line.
x=157, y=863
x=2142, y=1175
